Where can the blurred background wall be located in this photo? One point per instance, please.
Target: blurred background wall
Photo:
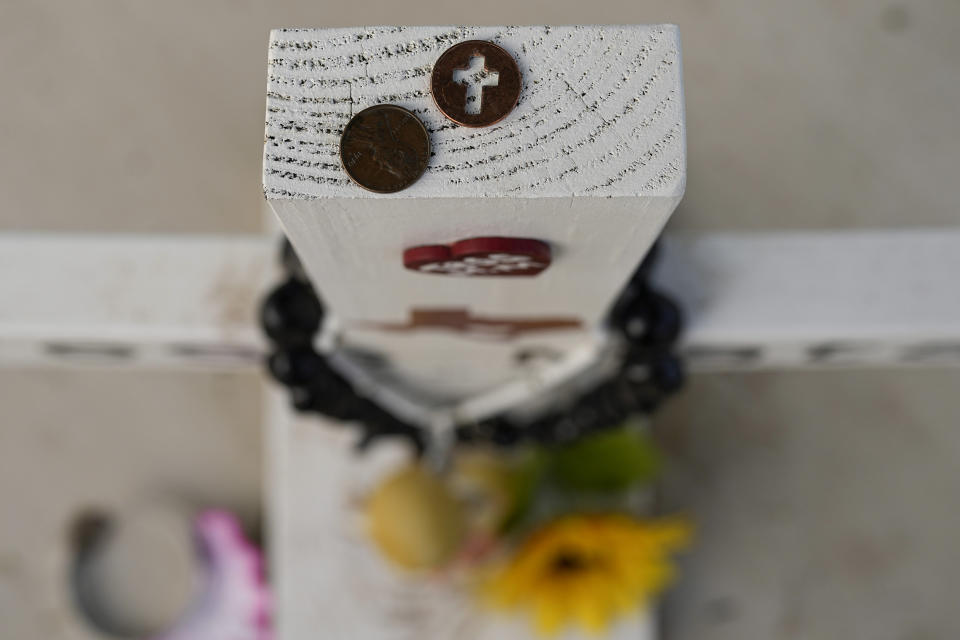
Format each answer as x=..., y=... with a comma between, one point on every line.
x=826, y=500
x=148, y=115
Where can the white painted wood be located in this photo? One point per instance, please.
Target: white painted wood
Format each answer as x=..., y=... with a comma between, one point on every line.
x=592, y=160
x=327, y=576
x=753, y=301
x=168, y=301
x=808, y=299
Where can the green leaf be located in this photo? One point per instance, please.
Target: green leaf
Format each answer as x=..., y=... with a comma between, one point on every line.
x=607, y=462
x=525, y=479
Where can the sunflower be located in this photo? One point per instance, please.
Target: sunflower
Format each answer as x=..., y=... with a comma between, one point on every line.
x=589, y=569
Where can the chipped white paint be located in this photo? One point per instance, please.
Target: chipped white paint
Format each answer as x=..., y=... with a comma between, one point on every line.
x=592, y=161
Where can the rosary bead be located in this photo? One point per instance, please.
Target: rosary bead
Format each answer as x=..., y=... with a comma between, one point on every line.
x=291, y=314
x=651, y=319
x=504, y=434
x=302, y=397
x=542, y=429
x=567, y=429
x=609, y=407
x=667, y=372
x=625, y=309
x=645, y=396
x=296, y=366
x=664, y=321
x=465, y=433
x=340, y=404
x=327, y=394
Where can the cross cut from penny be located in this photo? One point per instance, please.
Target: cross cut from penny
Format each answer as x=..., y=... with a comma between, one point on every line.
x=475, y=83
x=476, y=76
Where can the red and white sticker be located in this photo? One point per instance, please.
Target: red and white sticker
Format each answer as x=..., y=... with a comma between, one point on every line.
x=489, y=256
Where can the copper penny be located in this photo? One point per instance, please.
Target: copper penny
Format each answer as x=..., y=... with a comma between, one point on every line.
x=476, y=83
x=385, y=148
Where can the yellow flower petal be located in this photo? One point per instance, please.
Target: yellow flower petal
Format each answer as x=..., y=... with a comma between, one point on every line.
x=589, y=569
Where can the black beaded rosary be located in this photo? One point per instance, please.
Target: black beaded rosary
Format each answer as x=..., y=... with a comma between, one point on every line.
x=649, y=370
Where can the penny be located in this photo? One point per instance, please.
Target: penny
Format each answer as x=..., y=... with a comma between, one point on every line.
x=385, y=148
x=475, y=83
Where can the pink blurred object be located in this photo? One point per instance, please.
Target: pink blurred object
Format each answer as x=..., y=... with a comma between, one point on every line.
x=234, y=602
